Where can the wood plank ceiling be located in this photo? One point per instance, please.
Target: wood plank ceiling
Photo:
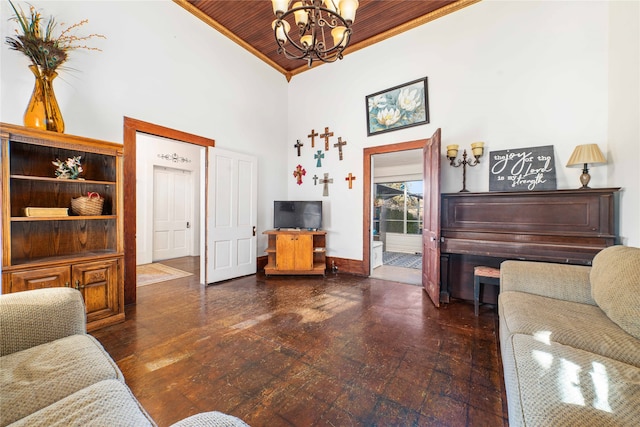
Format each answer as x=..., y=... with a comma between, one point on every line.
x=248, y=23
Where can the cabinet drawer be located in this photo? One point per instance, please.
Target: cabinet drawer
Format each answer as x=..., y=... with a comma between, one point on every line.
x=52, y=277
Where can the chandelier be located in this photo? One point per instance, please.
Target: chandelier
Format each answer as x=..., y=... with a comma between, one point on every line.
x=313, y=18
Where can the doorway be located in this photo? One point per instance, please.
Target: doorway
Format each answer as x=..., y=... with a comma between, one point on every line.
x=397, y=220
x=170, y=199
x=133, y=130
x=395, y=163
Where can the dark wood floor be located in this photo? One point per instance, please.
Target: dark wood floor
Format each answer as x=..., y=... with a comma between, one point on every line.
x=303, y=351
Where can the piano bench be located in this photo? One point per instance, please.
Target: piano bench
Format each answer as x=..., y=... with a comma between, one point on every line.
x=483, y=275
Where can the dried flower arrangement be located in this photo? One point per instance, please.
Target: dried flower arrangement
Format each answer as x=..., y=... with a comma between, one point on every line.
x=69, y=169
x=46, y=51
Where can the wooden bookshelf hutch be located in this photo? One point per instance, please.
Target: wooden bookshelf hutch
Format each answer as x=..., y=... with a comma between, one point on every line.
x=296, y=252
x=83, y=252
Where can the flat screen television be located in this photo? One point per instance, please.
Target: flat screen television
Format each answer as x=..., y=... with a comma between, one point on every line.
x=303, y=214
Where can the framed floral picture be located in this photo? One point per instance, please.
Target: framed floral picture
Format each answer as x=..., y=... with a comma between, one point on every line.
x=400, y=107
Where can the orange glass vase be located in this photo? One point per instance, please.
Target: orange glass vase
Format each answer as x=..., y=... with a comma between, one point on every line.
x=43, y=111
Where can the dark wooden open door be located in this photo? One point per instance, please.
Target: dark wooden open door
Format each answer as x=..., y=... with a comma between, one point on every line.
x=431, y=226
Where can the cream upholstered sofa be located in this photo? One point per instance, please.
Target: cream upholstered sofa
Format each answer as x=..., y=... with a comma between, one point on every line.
x=570, y=341
x=52, y=373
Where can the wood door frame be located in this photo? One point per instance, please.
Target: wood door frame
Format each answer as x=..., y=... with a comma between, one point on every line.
x=366, y=223
x=131, y=128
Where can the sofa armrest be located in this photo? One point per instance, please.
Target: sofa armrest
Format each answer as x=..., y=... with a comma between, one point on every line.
x=211, y=419
x=559, y=281
x=31, y=318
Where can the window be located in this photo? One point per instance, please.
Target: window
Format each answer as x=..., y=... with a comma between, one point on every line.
x=398, y=207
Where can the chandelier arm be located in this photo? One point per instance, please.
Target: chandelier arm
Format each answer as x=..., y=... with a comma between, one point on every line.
x=339, y=47
x=281, y=44
x=335, y=17
x=336, y=20
x=292, y=41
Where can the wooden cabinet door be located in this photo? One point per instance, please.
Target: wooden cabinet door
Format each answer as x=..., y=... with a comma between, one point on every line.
x=304, y=252
x=52, y=277
x=285, y=252
x=294, y=252
x=98, y=282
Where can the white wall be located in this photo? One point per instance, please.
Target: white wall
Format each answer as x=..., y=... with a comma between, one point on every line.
x=405, y=243
x=624, y=114
x=161, y=65
x=511, y=74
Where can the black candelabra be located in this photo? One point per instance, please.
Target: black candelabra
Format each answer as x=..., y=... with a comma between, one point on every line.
x=477, y=149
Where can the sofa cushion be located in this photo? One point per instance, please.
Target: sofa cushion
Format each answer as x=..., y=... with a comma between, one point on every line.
x=615, y=286
x=107, y=403
x=582, y=326
x=34, y=378
x=561, y=385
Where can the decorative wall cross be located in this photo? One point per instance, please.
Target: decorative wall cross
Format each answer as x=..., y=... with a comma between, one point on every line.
x=339, y=144
x=298, y=145
x=326, y=181
x=326, y=136
x=319, y=156
x=350, y=178
x=298, y=174
x=313, y=135
x=315, y=179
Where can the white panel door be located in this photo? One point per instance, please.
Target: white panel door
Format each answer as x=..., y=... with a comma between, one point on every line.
x=171, y=213
x=231, y=215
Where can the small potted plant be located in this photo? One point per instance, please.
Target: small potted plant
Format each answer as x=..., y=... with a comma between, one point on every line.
x=69, y=169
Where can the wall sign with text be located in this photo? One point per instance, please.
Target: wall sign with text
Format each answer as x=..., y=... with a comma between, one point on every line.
x=522, y=169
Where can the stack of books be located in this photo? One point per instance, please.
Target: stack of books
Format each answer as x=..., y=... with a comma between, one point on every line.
x=44, y=212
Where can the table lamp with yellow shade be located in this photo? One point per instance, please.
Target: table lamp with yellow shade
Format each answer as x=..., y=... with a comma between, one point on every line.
x=583, y=155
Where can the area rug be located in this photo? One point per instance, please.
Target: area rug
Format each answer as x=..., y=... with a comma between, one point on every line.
x=149, y=274
x=399, y=259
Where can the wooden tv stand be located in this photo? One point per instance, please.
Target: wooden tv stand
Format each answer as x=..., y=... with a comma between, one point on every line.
x=293, y=251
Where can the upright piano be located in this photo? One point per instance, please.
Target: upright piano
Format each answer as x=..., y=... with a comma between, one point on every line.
x=561, y=226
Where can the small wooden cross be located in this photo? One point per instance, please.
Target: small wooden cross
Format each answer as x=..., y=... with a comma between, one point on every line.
x=339, y=144
x=326, y=181
x=299, y=173
x=313, y=135
x=350, y=178
x=315, y=179
x=319, y=156
x=326, y=136
x=298, y=145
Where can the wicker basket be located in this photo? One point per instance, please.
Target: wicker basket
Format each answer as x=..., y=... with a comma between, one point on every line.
x=88, y=205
